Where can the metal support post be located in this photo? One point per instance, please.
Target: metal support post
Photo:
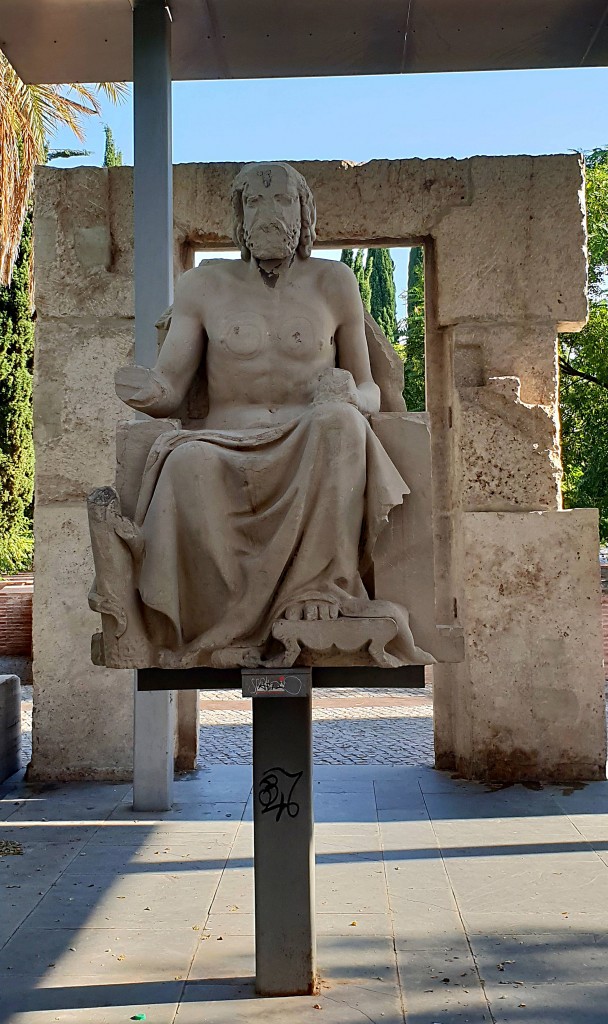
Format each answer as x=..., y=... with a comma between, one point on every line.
x=283, y=833
x=154, y=724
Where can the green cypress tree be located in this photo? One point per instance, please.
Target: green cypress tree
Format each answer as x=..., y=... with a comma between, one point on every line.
x=16, y=443
x=414, y=391
x=383, y=301
x=347, y=257
x=112, y=157
x=360, y=271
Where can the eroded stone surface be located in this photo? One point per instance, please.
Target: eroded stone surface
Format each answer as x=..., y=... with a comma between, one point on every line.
x=529, y=701
x=527, y=351
x=83, y=717
x=76, y=358
x=513, y=253
x=510, y=450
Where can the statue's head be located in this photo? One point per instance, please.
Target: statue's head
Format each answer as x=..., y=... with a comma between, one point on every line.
x=274, y=212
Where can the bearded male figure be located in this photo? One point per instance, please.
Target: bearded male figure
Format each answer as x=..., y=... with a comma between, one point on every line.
x=269, y=514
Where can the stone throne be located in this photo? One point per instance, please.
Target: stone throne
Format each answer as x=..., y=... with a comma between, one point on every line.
x=402, y=573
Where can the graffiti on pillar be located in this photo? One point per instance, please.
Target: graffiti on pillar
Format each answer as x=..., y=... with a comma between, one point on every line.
x=276, y=791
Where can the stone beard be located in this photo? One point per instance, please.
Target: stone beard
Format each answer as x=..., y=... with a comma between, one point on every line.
x=254, y=533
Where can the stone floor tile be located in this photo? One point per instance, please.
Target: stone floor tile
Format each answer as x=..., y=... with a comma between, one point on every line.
x=111, y=955
x=230, y=961
x=207, y=853
x=42, y=861
x=378, y=924
x=8, y=806
x=548, y=1004
x=193, y=811
x=566, y=958
x=153, y=902
x=440, y=985
x=340, y=1004
x=88, y=1001
x=80, y=801
x=136, y=833
x=30, y=831
x=548, y=884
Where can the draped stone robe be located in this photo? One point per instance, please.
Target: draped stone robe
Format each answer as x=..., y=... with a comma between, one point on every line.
x=239, y=525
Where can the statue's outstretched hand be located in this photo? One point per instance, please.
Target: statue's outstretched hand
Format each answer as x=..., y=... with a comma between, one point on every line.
x=336, y=385
x=138, y=387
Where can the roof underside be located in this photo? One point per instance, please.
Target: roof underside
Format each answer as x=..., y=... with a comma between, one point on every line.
x=90, y=40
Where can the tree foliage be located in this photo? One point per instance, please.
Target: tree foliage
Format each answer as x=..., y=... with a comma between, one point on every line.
x=16, y=444
x=584, y=366
x=412, y=333
x=360, y=269
x=112, y=156
x=29, y=116
x=383, y=301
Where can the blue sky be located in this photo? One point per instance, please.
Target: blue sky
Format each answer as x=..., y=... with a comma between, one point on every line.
x=364, y=118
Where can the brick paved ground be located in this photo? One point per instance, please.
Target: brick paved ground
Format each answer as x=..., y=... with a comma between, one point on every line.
x=350, y=727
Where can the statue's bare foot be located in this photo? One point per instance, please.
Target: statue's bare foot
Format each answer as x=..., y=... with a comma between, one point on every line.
x=311, y=610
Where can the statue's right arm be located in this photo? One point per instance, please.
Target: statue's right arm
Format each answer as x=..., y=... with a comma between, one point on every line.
x=159, y=391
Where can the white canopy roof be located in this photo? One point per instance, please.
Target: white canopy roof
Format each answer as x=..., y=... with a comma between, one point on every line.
x=90, y=40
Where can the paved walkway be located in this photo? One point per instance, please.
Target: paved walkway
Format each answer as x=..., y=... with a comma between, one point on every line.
x=438, y=901
x=350, y=726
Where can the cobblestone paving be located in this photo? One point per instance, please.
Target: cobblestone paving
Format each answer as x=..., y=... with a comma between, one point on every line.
x=354, y=726
x=357, y=726
x=26, y=725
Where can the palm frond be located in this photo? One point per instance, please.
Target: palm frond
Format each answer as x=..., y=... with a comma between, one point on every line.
x=117, y=92
x=29, y=116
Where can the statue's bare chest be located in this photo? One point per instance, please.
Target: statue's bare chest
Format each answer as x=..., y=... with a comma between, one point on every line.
x=246, y=327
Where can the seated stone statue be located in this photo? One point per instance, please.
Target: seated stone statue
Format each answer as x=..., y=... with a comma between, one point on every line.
x=253, y=539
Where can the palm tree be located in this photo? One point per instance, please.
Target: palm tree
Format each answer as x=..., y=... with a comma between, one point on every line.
x=29, y=116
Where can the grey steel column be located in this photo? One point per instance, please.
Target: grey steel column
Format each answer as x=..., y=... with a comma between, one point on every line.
x=283, y=846
x=154, y=723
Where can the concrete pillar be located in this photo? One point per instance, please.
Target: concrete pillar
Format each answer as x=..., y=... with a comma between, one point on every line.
x=283, y=846
x=154, y=722
x=188, y=730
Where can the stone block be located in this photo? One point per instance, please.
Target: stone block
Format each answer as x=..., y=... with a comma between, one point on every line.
x=84, y=217
x=80, y=270
x=408, y=537
x=527, y=351
x=83, y=715
x=75, y=407
x=10, y=726
x=378, y=201
x=510, y=455
x=514, y=252
x=528, y=703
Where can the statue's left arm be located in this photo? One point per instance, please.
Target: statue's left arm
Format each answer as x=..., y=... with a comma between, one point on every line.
x=351, y=345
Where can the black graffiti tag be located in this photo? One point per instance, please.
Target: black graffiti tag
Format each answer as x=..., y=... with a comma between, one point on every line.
x=276, y=791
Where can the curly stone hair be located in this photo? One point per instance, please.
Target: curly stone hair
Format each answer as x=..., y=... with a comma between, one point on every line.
x=308, y=210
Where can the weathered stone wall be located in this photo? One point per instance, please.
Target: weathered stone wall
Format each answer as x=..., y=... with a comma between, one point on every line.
x=504, y=240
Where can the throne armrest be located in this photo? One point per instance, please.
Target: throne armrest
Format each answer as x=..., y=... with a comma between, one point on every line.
x=409, y=538
x=134, y=439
